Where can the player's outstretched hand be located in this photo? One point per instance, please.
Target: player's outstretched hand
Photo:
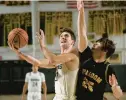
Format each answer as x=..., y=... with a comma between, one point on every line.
x=80, y=4
x=12, y=47
x=113, y=80
x=41, y=37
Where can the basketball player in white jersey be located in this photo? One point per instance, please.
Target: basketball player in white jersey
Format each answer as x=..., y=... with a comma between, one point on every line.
x=34, y=81
x=67, y=65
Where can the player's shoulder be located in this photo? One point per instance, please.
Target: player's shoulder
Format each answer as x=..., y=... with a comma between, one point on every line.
x=108, y=67
x=75, y=51
x=28, y=73
x=41, y=73
x=107, y=64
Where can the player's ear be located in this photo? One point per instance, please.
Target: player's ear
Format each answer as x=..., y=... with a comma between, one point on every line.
x=73, y=42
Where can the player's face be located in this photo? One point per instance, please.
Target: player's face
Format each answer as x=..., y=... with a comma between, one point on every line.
x=66, y=39
x=97, y=46
x=34, y=69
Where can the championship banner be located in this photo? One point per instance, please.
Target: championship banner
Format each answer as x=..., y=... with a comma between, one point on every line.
x=112, y=22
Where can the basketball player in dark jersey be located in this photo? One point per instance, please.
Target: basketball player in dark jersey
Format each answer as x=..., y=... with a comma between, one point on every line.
x=95, y=72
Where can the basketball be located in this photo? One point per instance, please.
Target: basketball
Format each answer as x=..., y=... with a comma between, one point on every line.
x=18, y=37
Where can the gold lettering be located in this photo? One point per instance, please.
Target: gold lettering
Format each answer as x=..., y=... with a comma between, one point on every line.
x=87, y=84
x=84, y=84
x=92, y=75
x=95, y=77
x=89, y=74
x=99, y=80
x=90, y=88
x=86, y=73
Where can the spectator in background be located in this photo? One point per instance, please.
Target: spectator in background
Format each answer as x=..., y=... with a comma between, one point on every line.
x=34, y=82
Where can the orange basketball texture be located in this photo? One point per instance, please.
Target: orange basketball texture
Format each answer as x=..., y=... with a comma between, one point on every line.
x=18, y=37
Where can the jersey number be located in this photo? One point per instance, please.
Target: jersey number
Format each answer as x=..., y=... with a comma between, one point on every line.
x=34, y=84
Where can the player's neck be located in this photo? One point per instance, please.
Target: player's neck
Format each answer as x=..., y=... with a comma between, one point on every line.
x=34, y=71
x=98, y=58
x=66, y=50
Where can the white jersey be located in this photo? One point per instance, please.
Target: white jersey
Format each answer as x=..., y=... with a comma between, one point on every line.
x=65, y=83
x=34, y=81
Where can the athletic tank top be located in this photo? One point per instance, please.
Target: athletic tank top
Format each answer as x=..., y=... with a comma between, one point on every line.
x=65, y=81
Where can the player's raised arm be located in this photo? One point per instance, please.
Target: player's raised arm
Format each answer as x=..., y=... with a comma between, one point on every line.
x=68, y=58
x=81, y=25
x=45, y=63
x=30, y=59
x=47, y=53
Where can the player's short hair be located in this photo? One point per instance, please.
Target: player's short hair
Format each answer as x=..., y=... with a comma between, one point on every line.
x=69, y=30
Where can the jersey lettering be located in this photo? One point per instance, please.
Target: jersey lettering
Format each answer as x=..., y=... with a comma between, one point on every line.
x=57, y=74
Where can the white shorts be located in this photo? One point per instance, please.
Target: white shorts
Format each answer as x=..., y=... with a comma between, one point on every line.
x=64, y=97
x=34, y=96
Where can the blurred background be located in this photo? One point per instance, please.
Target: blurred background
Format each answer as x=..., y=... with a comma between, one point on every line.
x=102, y=17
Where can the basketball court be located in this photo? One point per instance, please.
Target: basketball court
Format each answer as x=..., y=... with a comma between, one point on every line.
x=50, y=97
